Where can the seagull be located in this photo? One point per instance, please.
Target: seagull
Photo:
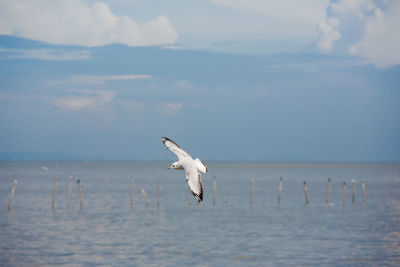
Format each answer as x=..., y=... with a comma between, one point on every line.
x=192, y=167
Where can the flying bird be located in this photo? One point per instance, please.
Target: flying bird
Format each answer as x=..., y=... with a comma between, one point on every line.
x=192, y=167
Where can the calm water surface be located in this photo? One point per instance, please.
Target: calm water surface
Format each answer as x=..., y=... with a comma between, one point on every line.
x=233, y=233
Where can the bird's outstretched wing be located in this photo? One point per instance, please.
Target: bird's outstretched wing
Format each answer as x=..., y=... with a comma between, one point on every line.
x=201, y=165
x=193, y=179
x=171, y=145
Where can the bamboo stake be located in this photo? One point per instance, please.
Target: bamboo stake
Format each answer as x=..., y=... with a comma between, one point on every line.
x=214, y=190
x=53, y=200
x=132, y=193
x=306, y=192
x=280, y=190
x=344, y=193
x=190, y=199
x=80, y=194
x=71, y=178
x=353, y=195
x=145, y=196
x=329, y=191
x=363, y=191
x=251, y=191
x=12, y=194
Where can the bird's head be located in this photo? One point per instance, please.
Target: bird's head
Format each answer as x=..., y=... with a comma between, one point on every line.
x=176, y=165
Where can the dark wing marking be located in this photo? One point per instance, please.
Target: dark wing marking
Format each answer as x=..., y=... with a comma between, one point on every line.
x=201, y=165
x=193, y=179
x=177, y=150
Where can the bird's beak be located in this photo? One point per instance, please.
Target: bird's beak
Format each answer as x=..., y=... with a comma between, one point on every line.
x=169, y=167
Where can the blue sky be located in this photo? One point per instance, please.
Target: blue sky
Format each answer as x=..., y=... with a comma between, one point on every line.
x=227, y=80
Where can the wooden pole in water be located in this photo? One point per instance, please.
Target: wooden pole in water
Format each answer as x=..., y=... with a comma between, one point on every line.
x=344, y=193
x=132, y=193
x=12, y=194
x=53, y=200
x=363, y=191
x=329, y=191
x=280, y=190
x=158, y=196
x=190, y=199
x=251, y=191
x=353, y=186
x=80, y=194
x=71, y=178
x=214, y=190
x=145, y=196
x=306, y=192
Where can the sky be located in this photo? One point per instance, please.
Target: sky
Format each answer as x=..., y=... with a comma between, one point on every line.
x=235, y=80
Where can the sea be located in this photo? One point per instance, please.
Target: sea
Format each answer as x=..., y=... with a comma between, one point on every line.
x=237, y=228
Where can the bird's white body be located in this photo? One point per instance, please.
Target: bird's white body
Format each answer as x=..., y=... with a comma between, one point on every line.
x=192, y=167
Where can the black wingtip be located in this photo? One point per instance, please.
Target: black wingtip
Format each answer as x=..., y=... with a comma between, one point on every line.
x=204, y=165
x=165, y=139
x=199, y=198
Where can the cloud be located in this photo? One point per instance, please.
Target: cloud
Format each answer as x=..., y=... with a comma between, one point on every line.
x=100, y=79
x=288, y=18
x=171, y=108
x=88, y=99
x=74, y=22
x=329, y=34
x=184, y=84
x=173, y=47
x=75, y=103
x=286, y=9
x=96, y=79
x=380, y=44
x=45, y=54
x=365, y=28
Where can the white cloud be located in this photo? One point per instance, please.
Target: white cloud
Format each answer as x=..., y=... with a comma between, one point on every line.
x=100, y=79
x=285, y=9
x=365, y=28
x=292, y=18
x=89, y=99
x=380, y=44
x=45, y=54
x=352, y=6
x=184, y=84
x=74, y=103
x=329, y=34
x=95, y=79
x=125, y=77
x=172, y=107
x=173, y=47
x=74, y=22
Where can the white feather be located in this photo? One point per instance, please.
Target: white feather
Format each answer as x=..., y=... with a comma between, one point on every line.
x=201, y=166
